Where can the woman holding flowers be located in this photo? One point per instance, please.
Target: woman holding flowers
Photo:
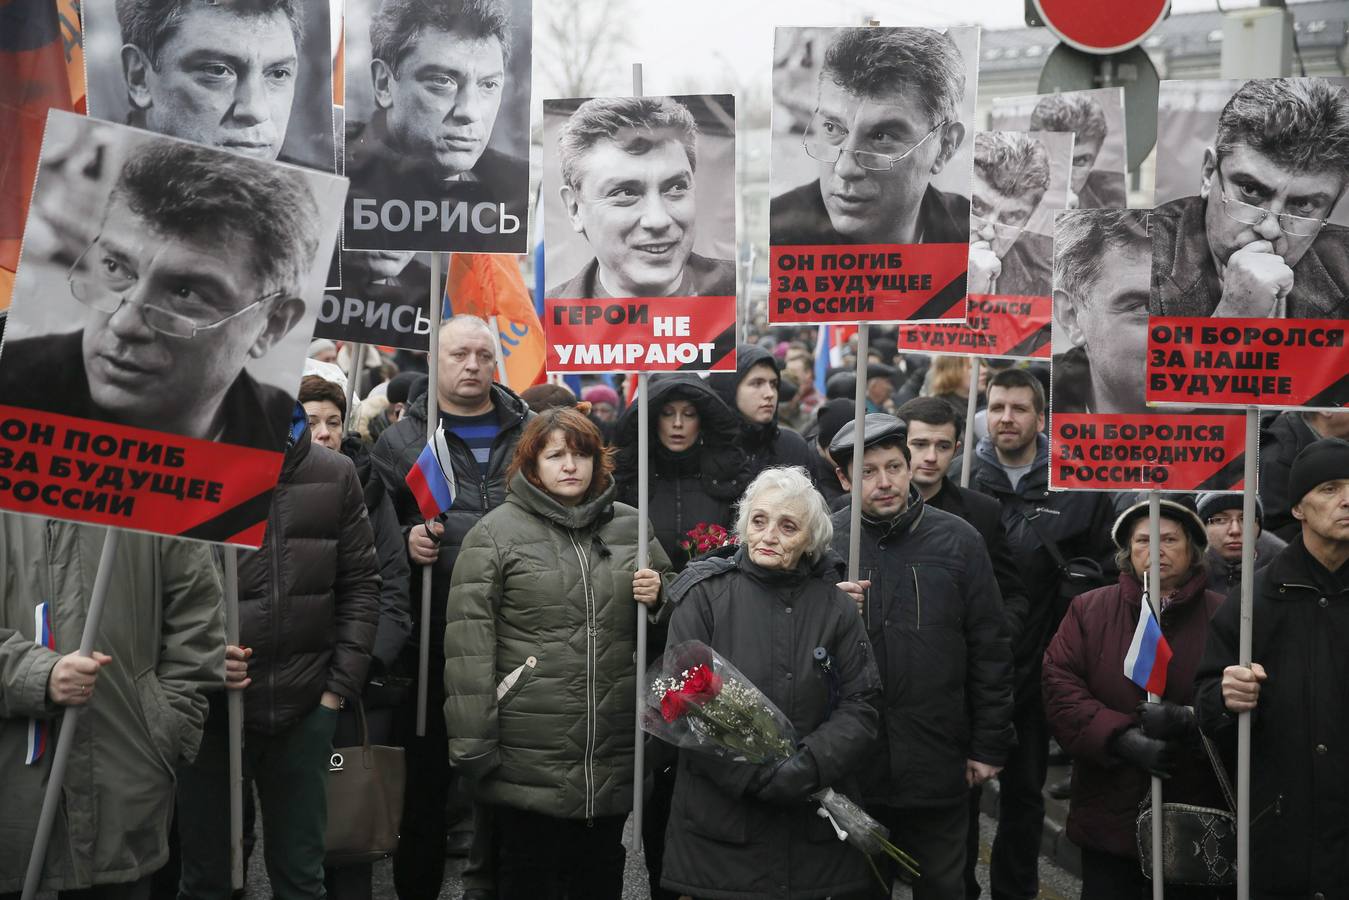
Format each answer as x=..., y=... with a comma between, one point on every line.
x=540, y=673
x=771, y=607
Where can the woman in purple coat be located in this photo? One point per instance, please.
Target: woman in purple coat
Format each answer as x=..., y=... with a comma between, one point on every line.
x=1116, y=738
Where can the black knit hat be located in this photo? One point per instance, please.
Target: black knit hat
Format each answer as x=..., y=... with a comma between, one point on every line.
x=1319, y=462
x=831, y=417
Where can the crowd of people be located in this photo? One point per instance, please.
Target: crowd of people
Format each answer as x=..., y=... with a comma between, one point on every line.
x=983, y=621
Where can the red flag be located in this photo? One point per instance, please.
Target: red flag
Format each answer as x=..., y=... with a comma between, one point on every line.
x=487, y=285
x=39, y=48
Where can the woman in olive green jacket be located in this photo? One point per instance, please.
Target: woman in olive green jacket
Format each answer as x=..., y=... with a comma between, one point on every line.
x=164, y=632
x=540, y=675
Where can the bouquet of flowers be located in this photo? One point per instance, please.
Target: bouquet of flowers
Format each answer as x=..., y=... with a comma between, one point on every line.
x=698, y=701
x=705, y=537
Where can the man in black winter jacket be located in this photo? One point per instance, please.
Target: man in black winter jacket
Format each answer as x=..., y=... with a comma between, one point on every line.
x=753, y=393
x=308, y=608
x=934, y=616
x=934, y=440
x=483, y=422
x=1280, y=442
x=1296, y=689
x=1012, y=466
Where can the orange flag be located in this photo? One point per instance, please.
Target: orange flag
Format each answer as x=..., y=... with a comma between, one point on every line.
x=487, y=285
x=39, y=49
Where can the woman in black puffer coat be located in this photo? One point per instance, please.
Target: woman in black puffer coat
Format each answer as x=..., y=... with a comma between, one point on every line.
x=698, y=471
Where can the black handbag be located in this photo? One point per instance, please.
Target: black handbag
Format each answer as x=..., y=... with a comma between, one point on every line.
x=365, y=800
x=1199, y=844
x=1076, y=575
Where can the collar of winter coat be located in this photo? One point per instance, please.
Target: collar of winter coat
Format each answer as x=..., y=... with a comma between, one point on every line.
x=1131, y=589
x=991, y=473
x=504, y=400
x=296, y=451
x=906, y=520
x=542, y=504
x=1296, y=567
x=829, y=567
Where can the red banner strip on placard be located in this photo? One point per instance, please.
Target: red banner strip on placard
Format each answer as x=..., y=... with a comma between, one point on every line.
x=640, y=334
x=853, y=283
x=1155, y=451
x=86, y=471
x=1280, y=363
x=997, y=325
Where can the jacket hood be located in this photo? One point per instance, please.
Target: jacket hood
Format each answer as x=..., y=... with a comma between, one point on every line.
x=747, y=356
x=296, y=450
x=524, y=494
x=503, y=399
x=829, y=567
x=719, y=424
x=1038, y=475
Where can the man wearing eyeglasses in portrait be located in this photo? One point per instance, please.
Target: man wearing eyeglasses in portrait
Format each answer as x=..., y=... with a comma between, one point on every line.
x=886, y=122
x=1011, y=176
x=195, y=272
x=1255, y=241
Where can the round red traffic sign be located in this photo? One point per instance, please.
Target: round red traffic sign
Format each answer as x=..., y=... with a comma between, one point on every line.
x=1097, y=26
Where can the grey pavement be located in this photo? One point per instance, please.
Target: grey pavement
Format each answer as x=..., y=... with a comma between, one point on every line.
x=1056, y=881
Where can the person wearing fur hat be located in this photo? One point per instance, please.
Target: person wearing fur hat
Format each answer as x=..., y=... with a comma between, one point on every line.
x=1116, y=737
x=1296, y=687
x=1222, y=518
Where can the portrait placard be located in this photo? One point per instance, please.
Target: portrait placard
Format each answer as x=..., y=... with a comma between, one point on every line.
x=255, y=78
x=1103, y=435
x=1096, y=120
x=156, y=341
x=870, y=173
x=639, y=231
x=1020, y=180
x=437, y=125
x=383, y=300
x=1250, y=264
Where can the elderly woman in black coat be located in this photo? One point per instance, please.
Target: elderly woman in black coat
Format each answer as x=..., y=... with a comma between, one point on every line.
x=741, y=831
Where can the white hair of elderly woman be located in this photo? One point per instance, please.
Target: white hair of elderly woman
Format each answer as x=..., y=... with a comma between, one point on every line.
x=794, y=487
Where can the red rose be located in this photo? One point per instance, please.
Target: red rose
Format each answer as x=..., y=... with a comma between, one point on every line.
x=672, y=706
x=701, y=684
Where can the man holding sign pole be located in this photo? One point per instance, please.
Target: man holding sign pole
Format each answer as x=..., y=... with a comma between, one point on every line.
x=483, y=422
x=1297, y=688
x=141, y=692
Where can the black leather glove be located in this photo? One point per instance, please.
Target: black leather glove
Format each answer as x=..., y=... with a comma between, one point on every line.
x=792, y=780
x=1135, y=747
x=1167, y=721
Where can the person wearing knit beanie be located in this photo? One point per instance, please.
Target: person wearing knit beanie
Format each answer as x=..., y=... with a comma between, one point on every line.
x=1223, y=521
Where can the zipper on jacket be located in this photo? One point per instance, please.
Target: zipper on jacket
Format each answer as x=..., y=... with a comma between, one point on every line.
x=276, y=588
x=588, y=763
x=918, y=597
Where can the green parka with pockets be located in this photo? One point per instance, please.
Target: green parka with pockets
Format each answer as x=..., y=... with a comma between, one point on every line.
x=540, y=647
x=164, y=628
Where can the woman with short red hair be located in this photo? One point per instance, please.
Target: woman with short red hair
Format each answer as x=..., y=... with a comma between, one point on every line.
x=540, y=648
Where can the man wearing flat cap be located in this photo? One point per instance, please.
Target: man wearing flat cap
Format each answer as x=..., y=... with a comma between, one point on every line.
x=934, y=616
x=1296, y=688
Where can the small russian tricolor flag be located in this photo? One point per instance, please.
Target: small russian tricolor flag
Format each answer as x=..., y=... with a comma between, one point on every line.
x=40, y=729
x=1149, y=654
x=427, y=478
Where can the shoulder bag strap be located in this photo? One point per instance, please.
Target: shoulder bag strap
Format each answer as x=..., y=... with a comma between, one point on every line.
x=1220, y=772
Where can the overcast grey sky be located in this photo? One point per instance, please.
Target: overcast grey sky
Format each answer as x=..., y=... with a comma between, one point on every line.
x=731, y=40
